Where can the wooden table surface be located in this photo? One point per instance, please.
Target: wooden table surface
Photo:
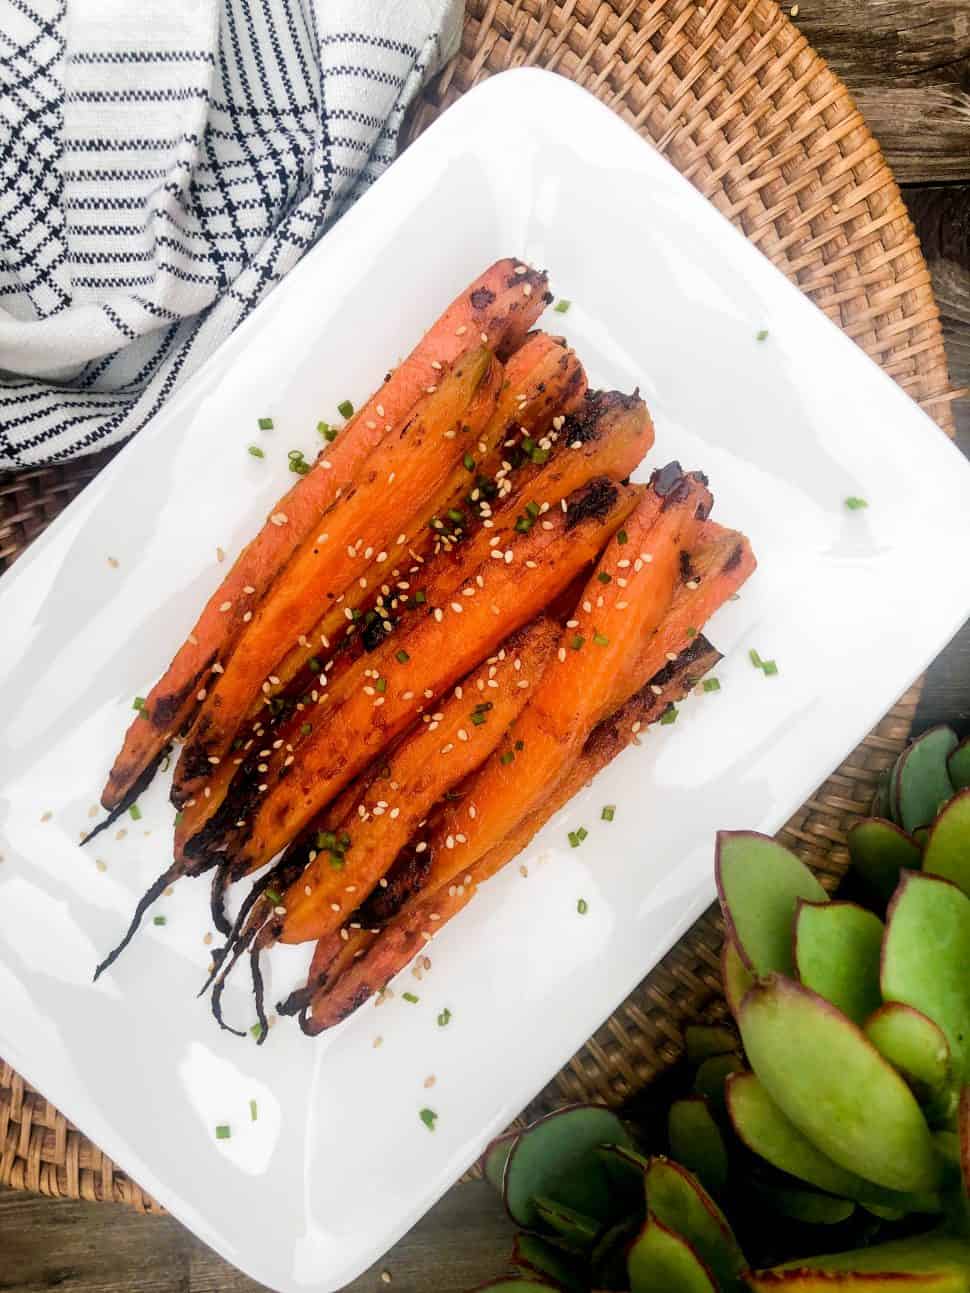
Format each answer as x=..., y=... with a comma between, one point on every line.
x=908, y=64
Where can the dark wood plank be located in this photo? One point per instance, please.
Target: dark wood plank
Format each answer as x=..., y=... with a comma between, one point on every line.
x=907, y=64
x=106, y=1248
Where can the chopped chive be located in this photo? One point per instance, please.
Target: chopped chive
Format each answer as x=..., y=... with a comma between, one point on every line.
x=582, y=906
x=711, y=684
x=478, y=719
x=265, y=424
x=401, y=656
x=608, y=813
x=299, y=466
x=345, y=409
x=507, y=757
x=381, y=685
x=343, y=839
x=409, y=996
x=669, y=715
x=255, y=450
x=854, y=504
x=622, y=536
x=532, y=509
x=444, y=1018
x=604, y=578
x=253, y=1111
x=468, y=462
x=755, y=659
x=528, y=444
x=223, y=1131
x=420, y=597
x=273, y=896
x=326, y=840
x=769, y=668
x=428, y=1117
x=323, y=428
x=315, y=663
x=524, y=524
x=306, y=728
x=539, y=456
x=295, y=455
x=692, y=632
x=159, y=920
x=601, y=639
x=138, y=702
x=574, y=840
x=577, y=642
x=178, y=816
x=455, y=515
x=761, y=334
x=562, y=306
x=581, y=833
x=337, y=861
x=135, y=812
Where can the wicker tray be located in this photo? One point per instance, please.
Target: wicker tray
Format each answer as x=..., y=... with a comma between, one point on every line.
x=740, y=103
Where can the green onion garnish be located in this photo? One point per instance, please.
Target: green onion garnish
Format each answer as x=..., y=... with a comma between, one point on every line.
x=756, y=659
x=581, y=833
x=428, y=1117
x=622, y=536
x=507, y=757
x=711, y=684
x=265, y=424
x=601, y=639
x=478, y=719
x=608, y=813
x=539, y=456
x=380, y=685
x=255, y=450
x=524, y=524
x=444, y=1018
x=574, y=840
x=409, y=996
x=769, y=668
x=854, y=504
x=528, y=444
x=761, y=334
x=582, y=906
x=253, y=1111
x=669, y=715
x=604, y=578
x=273, y=896
x=326, y=840
x=577, y=642
x=401, y=656
x=222, y=1131
x=345, y=409
x=306, y=728
x=468, y=462
x=138, y=702
x=562, y=306
x=256, y=1030
x=532, y=509
x=337, y=861
x=159, y=920
x=692, y=632
x=135, y=812
x=420, y=597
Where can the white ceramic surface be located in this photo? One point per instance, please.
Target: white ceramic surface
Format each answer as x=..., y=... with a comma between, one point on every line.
x=852, y=605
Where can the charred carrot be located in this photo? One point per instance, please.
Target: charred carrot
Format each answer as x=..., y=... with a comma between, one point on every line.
x=458, y=736
x=502, y=304
x=439, y=649
x=346, y=981
x=415, y=460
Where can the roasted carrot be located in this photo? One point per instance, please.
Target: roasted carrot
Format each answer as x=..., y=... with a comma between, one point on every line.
x=502, y=304
x=342, y=978
x=622, y=605
x=437, y=651
x=415, y=460
x=455, y=739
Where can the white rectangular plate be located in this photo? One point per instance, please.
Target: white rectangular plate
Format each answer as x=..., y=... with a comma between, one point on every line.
x=852, y=605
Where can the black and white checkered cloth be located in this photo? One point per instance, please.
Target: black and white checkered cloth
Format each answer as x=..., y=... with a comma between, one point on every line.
x=164, y=163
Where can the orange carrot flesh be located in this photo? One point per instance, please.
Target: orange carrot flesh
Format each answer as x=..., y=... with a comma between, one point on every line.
x=440, y=649
x=495, y=304
x=349, y=979
x=454, y=740
x=608, y=435
x=414, y=461
x=622, y=606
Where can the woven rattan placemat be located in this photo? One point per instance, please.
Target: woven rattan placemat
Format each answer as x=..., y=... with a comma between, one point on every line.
x=740, y=103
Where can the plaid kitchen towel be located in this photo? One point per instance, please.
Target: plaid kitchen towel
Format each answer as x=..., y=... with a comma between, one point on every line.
x=164, y=163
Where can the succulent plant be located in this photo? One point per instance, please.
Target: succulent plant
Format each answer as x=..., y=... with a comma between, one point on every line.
x=838, y=1115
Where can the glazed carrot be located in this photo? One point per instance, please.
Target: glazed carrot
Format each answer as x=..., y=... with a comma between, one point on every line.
x=622, y=605
x=497, y=304
x=438, y=650
x=341, y=978
x=414, y=461
x=608, y=434
x=454, y=740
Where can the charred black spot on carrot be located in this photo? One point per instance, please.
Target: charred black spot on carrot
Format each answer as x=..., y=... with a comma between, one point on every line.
x=482, y=297
x=592, y=503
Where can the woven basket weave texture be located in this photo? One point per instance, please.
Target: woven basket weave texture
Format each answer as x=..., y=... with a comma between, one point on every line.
x=735, y=97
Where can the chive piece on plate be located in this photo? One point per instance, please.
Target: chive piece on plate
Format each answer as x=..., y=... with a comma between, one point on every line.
x=256, y=452
x=265, y=424
x=855, y=504
x=444, y=1018
x=223, y=1131
x=769, y=668
x=345, y=409
x=135, y=812
x=138, y=702
x=711, y=684
x=401, y=656
x=409, y=996
x=761, y=334
x=608, y=813
x=582, y=906
x=428, y=1117
x=253, y=1110
x=159, y=920
x=755, y=659
x=669, y=715
x=562, y=306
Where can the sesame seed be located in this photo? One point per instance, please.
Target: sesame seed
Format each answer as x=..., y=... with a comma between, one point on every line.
x=450, y=842
x=307, y=889
x=431, y=389
x=213, y=759
x=418, y=848
x=462, y=734
x=372, y=426
x=217, y=668
x=279, y=518
x=527, y=290
x=439, y=614
x=326, y=464
x=521, y=269
x=247, y=617
x=460, y=332
x=671, y=655
x=457, y=607
x=429, y=1081
x=200, y=695
x=524, y=871
x=226, y=606
x=484, y=337
x=646, y=558
x=692, y=584
x=624, y=564
x=657, y=691
x=576, y=444
x=344, y=935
